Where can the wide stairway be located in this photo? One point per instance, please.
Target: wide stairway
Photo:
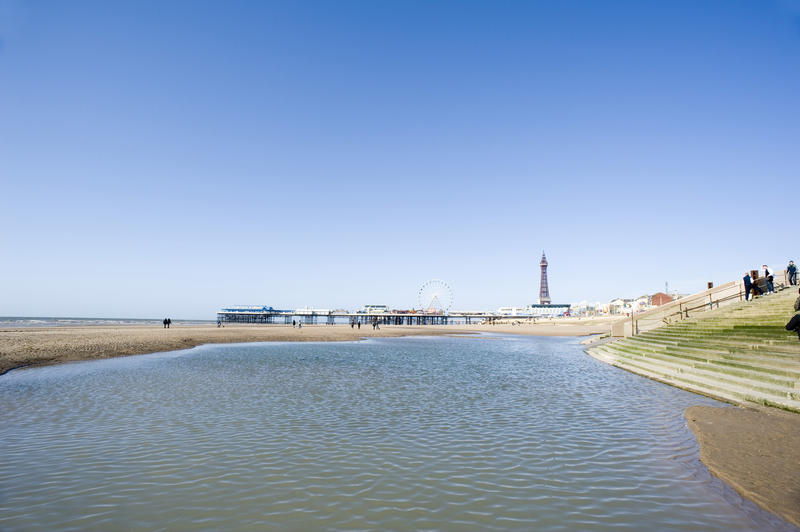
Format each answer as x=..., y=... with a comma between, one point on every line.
x=740, y=353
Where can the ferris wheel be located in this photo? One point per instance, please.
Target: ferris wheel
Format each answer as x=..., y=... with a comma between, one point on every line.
x=435, y=296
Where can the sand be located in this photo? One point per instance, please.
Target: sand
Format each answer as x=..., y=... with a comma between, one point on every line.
x=755, y=451
x=37, y=346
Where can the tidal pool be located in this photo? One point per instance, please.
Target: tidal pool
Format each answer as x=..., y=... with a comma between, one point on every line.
x=457, y=433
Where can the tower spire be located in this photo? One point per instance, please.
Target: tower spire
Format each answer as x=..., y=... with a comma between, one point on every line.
x=544, y=292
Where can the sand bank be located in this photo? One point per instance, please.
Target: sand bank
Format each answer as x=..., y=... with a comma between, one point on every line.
x=36, y=346
x=51, y=345
x=755, y=451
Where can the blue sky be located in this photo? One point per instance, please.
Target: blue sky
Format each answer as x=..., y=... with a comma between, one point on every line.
x=169, y=158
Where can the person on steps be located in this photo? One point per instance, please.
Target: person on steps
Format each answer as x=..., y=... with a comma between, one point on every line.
x=794, y=323
x=769, y=278
x=748, y=285
x=792, y=271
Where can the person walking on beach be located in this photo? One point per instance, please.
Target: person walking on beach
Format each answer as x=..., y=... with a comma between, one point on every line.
x=794, y=323
x=165, y=323
x=294, y=324
x=169, y=322
x=299, y=324
x=768, y=277
x=748, y=285
x=359, y=325
x=792, y=270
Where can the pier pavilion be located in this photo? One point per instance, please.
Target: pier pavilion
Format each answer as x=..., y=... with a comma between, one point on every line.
x=267, y=315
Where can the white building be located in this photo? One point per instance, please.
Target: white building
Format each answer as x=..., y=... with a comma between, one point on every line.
x=535, y=311
x=375, y=309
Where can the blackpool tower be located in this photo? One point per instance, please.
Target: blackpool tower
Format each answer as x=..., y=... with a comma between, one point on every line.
x=544, y=292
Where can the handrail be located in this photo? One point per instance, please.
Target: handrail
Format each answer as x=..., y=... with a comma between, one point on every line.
x=699, y=302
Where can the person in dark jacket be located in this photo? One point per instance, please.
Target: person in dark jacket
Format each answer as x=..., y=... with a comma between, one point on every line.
x=748, y=285
x=792, y=270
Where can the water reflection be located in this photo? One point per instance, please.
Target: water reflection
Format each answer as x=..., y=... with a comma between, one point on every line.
x=401, y=434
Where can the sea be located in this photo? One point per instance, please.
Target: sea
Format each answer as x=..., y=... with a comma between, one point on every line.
x=39, y=321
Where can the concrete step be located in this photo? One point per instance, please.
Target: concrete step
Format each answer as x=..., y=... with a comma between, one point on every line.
x=745, y=376
x=722, y=342
x=784, y=355
x=776, y=338
x=763, y=371
x=712, y=387
x=739, y=353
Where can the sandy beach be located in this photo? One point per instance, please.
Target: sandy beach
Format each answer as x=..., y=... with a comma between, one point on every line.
x=755, y=451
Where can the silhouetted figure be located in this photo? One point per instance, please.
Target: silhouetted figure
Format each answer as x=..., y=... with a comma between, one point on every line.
x=294, y=324
x=165, y=323
x=794, y=323
x=169, y=322
x=359, y=325
x=748, y=285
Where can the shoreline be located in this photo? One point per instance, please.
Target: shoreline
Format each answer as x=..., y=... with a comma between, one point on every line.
x=39, y=346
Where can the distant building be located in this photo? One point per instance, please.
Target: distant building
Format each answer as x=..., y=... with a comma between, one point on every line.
x=660, y=298
x=619, y=306
x=375, y=309
x=640, y=304
x=535, y=311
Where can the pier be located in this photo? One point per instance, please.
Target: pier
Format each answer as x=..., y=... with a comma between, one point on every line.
x=268, y=315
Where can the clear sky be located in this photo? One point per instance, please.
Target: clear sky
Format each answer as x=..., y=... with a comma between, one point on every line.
x=168, y=158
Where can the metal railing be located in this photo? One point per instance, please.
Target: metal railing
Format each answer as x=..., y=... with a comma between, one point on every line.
x=687, y=307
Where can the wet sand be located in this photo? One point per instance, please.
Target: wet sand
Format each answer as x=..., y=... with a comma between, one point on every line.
x=755, y=451
x=37, y=346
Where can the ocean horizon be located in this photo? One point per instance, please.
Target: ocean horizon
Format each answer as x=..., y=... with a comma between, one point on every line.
x=72, y=321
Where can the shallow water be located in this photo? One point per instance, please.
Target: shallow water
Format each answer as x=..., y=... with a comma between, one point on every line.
x=491, y=433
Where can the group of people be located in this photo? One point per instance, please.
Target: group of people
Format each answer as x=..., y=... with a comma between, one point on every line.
x=167, y=322
x=297, y=323
x=375, y=324
x=751, y=288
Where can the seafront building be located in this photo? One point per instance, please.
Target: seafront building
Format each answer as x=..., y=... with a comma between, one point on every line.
x=535, y=311
x=375, y=309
